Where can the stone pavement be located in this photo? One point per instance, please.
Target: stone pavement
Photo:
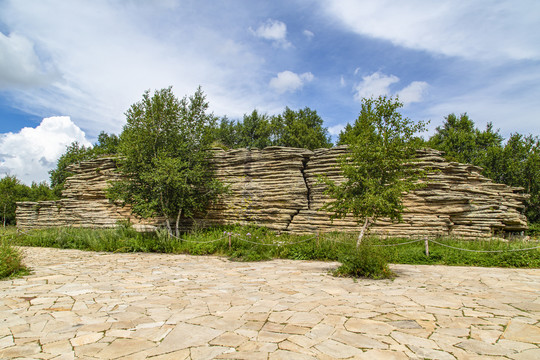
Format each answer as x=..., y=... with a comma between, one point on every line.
x=135, y=306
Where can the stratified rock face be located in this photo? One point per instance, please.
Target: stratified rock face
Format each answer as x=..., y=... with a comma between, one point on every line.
x=266, y=187
x=84, y=202
x=278, y=188
x=457, y=201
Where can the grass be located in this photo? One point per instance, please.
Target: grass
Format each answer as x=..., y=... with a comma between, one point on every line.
x=259, y=244
x=10, y=260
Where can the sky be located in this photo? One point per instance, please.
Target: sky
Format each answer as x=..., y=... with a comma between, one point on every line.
x=71, y=69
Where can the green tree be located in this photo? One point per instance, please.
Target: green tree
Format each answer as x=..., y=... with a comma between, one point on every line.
x=12, y=190
x=518, y=164
x=39, y=192
x=165, y=157
x=462, y=142
x=302, y=129
x=226, y=134
x=377, y=169
x=254, y=131
x=106, y=145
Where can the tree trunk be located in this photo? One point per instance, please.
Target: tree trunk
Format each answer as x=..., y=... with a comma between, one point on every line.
x=178, y=222
x=363, y=231
x=168, y=222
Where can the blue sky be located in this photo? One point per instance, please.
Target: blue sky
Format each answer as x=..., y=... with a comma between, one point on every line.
x=70, y=69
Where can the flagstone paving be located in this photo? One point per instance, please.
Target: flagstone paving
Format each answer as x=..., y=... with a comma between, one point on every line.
x=135, y=306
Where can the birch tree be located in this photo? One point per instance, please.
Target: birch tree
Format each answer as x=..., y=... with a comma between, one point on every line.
x=164, y=155
x=378, y=168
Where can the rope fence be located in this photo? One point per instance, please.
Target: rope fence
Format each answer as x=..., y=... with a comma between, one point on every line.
x=229, y=236
x=483, y=251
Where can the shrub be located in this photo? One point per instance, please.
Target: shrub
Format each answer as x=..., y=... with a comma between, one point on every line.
x=10, y=260
x=367, y=261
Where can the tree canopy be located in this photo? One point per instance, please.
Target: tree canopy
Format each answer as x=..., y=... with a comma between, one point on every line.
x=302, y=128
x=382, y=145
x=165, y=157
x=462, y=142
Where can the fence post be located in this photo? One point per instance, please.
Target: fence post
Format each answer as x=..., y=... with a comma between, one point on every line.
x=229, y=241
x=426, y=243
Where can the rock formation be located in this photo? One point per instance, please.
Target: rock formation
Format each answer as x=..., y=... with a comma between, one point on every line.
x=84, y=202
x=278, y=188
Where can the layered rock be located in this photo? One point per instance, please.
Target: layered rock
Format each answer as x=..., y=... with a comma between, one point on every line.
x=279, y=188
x=84, y=202
x=457, y=201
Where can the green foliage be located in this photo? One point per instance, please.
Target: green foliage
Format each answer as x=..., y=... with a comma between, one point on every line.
x=377, y=169
x=254, y=131
x=13, y=190
x=165, y=157
x=366, y=262
x=461, y=142
x=302, y=129
x=518, y=164
x=264, y=244
x=477, y=255
x=514, y=163
x=10, y=260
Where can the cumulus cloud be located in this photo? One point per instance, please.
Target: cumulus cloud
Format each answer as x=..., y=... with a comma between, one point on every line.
x=374, y=85
x=288, y=81
x=273, y=30
x=19, y=64
x=378, y=84
x=477, y=29
x=414, y=92
x=32, y=152
x=108, y=53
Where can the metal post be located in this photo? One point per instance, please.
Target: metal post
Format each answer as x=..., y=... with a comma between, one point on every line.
x=426, y=243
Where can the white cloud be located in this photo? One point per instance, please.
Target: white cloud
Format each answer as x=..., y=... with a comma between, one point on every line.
x=308, y=34
x=336, y=129
x=414, y=92
x=109, y=53
x=32, y=152
x=273, y=30
x=374, y=85
x=342, y=81
x=287, y=81
x=19, y=64
x=479, y=29
x=378, y=84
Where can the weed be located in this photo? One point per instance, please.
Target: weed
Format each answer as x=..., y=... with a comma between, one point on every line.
x=367, y=261
x=10, y=261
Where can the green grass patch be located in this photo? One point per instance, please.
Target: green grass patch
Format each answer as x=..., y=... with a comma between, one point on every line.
x=247, y=243
x=10, y=260
x=367, y=261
